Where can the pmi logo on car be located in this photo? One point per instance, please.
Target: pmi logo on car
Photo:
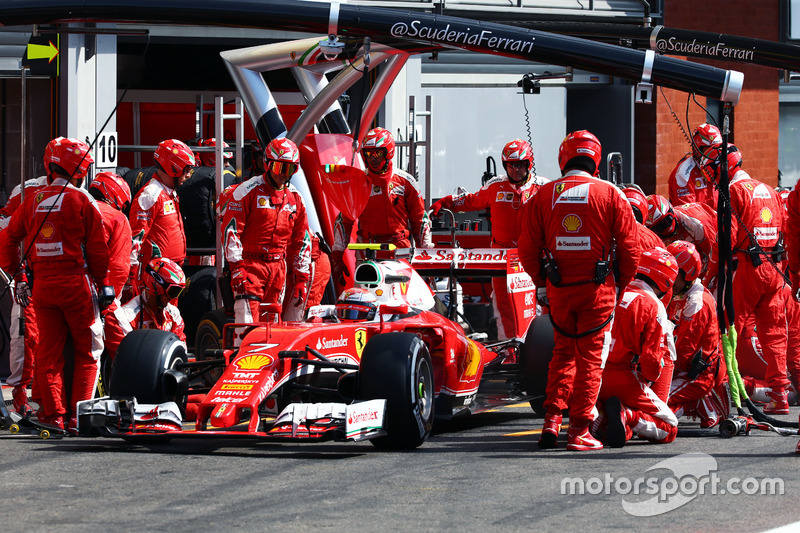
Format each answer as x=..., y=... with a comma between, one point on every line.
x=253, y=362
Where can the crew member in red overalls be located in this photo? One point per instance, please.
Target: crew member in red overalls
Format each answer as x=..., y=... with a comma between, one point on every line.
x=265, y=230
x=687, y=182
x=69, y=258
x=152, y=308
x=22, y=346
x=504, y=196
x=569, y=229
x=113, y=197
x=155, y=215
x=698, y=385
x=639, y=348
x=395, y=212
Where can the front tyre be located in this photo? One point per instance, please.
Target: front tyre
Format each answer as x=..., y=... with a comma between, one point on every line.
x=140, y=367
x=397, y=367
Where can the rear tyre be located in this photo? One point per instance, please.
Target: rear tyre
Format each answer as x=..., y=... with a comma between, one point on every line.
x=397, y=367
x=536, y=355
x=209, y=337
x=143, y=358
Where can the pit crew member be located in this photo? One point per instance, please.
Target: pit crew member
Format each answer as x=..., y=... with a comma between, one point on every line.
x=639, y=348
x=687, y=182
x=23, y=339
x=265, y=228
x=69, y=258
x=113, y=197
x=395, y=212
x=152, y=308
x=698, y=384
x=155, y=215
x=568, y=231
x=504, y=196
x=758, y=281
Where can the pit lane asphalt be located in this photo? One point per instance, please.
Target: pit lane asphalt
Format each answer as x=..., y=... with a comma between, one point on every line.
x=480, y=473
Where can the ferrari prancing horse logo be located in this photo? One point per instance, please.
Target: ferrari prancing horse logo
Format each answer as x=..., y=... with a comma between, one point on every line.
x=361, y=341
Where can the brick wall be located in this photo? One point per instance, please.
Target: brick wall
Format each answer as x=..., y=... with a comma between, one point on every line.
x=660, y=142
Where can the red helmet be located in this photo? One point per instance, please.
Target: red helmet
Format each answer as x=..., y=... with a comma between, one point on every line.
x=518, y=150
x=713, y=157
x=69, y=155
x=209, y=159
x=705, y=136
x=660, y=216
x=580, y=144
x=163, y=277
x=688, y=259
x=356, y=304
x=638, y=202
x=379, y=138
x=173, y=157
x=282, y=156
x=660, y=267
x=113, y=188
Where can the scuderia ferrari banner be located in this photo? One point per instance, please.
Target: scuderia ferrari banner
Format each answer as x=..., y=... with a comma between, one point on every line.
x=672, y=41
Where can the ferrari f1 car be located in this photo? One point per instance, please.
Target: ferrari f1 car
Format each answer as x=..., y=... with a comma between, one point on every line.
x=383, y=377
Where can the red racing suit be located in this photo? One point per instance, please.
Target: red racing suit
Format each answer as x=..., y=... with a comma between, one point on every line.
x=695, y=312
x=697, y=223
x=156, y=220
x=118, y=230
x=394, y=213
x=792, y=237
x=264, y=230
x=69, y=258
x=22, y=348
x=647, y=238
x=638, y=350
x=504, y=201
x=135, y=315
x=578, y=219
x=758, y=290
x=687, y=184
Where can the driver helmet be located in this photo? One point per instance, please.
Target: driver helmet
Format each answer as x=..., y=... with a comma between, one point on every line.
x=163, y=277
x=356, y=305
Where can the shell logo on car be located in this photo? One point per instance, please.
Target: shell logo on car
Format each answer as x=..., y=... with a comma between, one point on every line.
x=253, y=362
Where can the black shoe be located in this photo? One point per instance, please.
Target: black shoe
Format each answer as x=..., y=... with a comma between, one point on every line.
x=616, y=435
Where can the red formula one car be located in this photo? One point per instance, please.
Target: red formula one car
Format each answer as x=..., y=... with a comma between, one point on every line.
x=383, y=376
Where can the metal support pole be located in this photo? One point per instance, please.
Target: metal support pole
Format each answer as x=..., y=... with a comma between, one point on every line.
x=23, y=132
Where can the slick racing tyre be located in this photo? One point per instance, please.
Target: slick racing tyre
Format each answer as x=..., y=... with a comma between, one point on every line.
x=209, y=337
x=142, y=367
x=536, y=355
x=397, y=367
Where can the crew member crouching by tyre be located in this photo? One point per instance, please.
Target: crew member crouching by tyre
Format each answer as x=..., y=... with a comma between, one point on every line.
x=639, y=348
x=698, y=386
x=153, y=308
x=568, y=231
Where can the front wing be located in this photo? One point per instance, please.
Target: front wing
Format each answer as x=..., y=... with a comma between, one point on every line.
x=106, y=417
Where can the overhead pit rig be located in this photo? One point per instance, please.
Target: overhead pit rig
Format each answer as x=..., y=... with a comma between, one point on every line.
x=357, y=39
